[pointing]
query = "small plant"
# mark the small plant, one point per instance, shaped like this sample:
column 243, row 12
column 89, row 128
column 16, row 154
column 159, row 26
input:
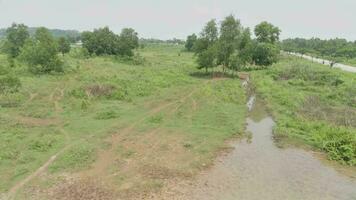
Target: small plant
column 107, row 115
column 156, row 119
column 9, row 84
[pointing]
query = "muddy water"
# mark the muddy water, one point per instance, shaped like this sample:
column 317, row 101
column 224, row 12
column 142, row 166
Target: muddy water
column 257, row 169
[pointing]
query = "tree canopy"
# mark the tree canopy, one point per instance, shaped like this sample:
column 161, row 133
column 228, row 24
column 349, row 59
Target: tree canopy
column 16, row 35
column 189, row 44
column 266, row 32
column 63, row 45
column 233, row 48
column 103, row 41
column 40, row 52
column 331, row 49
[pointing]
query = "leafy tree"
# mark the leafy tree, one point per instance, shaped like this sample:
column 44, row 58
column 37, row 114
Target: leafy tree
column 101, row 41
column 63, row 45
column 9, row 83
column 266, row 32
column 334, row 49
column 207, row 58
column 105, row 42
column 246, row 46
column 230, row 32
column 189, row 44
column 41, row 53
column 128, row 41
column 265, row 54
column 205, row 46
column 16, row 35
column 210, row 32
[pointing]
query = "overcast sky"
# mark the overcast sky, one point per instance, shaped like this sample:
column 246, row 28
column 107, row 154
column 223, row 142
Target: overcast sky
column 177, row 18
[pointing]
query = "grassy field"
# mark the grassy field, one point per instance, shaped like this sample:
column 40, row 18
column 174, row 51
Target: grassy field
column 313, row 104
column 114, row 127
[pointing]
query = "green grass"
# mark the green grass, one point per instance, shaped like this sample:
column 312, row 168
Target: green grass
column 100, row 96
column 313, row 104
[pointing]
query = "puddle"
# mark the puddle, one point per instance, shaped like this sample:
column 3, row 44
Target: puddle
column 258, row 169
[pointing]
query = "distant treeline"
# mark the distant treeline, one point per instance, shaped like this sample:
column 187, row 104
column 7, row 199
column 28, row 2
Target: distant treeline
column 333, row 49
column 159, row 41
column 72, row 35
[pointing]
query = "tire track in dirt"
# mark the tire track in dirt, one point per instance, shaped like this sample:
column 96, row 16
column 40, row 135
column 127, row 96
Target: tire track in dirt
column 105, row 157
column 13, row 190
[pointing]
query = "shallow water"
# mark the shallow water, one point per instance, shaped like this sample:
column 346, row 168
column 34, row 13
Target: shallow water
column 258, row 169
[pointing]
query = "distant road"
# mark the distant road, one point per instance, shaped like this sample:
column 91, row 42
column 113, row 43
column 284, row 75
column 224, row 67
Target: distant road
column 347, row 68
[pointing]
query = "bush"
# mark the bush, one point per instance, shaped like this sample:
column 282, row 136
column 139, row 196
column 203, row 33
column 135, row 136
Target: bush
column 9, row 84
column 105, row 42
column 265, row 54
column 41, row 53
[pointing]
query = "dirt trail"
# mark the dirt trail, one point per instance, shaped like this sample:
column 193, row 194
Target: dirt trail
column 43, row 168
column 42, row 122
column 105, row 156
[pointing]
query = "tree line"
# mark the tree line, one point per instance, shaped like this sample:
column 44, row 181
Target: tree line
column 331, row 49
column 230, row 45
column 40, row 50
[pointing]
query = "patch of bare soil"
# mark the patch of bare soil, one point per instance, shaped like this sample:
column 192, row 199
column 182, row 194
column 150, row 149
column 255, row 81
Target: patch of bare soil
column 97, row 90
column 82, row 189
column 31, row 121
column 12, row 192
column 143, row 160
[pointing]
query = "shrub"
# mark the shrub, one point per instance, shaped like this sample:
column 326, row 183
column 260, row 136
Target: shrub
column 41, row 53
column 9, row 84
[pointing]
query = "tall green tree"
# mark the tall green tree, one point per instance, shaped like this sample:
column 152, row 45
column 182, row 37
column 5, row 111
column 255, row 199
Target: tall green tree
column 189, row 44
column 105, row 42
column 128, row 41
column 101, row 41
column 265, row 54
column 16, row 35
column 205, row 46
column 230, row 32
column 41, row 53
column 63, row 45
column 267, row 32
column 266, row 49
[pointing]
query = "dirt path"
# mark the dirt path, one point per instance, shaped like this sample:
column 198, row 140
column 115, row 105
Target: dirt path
column 105, row 156
column 55, row 98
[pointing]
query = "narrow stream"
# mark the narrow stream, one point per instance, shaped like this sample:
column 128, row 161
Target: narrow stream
column 258, row 169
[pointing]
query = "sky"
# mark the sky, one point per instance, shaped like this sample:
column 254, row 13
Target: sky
column 166, row 19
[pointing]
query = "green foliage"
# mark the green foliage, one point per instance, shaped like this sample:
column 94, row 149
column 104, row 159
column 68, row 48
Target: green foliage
column 107, row 115
column 265, row 54
column 9, row 84
column 128, row 41
column 35, row 130
column 78, row 157
column 63, row 45
column 105, row 42
column 41, row 53
column 313, row 104
column 230, row 32
column 339, row 50
column 207, row 58
column 79, row 53
column 233, row 48
column 16, row 36
column 100, row 42
column 267, row 33
column 189, row 44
